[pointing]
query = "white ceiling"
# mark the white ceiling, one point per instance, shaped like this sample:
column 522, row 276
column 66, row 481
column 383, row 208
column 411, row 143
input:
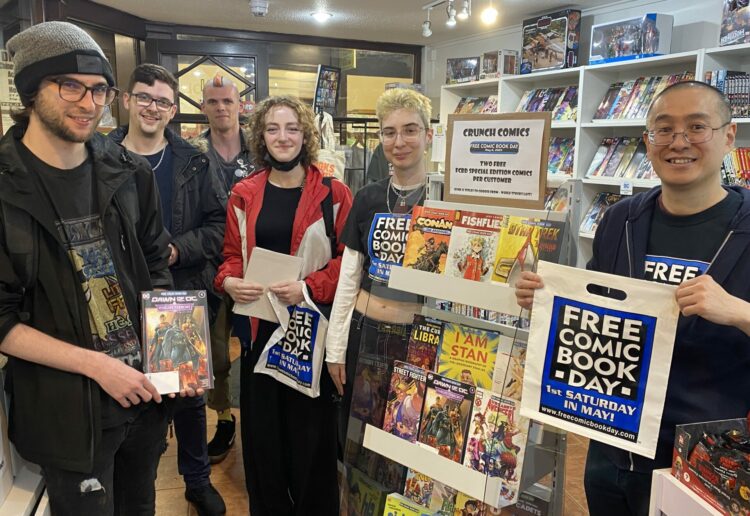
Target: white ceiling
column 394, row 21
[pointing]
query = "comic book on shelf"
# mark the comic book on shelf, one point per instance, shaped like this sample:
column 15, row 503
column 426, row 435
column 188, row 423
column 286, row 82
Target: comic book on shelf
column 497, row 440
column 609, row 99
column 424, row 342
column 631, row 99
column 370, row 389
column 468, row 354
column 473, row 241
column 176, row 339
column 491, row 106
column 364, row 495
column 519, row 246
column 556, row 199
column 418, row 487
column 507, row 378
column 620, row 157
column 736, row 87
column 400, row 505
column 428, row 239
column 468, row 505
column 601, row 203
column 405, row 397
column 735, row 169
column 561, row 151
column 445, row 416
column 562, row 101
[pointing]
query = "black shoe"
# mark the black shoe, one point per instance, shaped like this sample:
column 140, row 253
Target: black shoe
column 223, row 440
column 206, row 499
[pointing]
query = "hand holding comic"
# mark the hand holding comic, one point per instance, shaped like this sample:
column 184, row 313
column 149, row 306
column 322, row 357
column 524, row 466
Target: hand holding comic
column 525, row 287
column 243, row 291
column 288, row 292
column 704, row 297
column 126, row 385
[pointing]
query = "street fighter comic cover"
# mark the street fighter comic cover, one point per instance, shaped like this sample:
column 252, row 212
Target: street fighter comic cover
column 176, row 337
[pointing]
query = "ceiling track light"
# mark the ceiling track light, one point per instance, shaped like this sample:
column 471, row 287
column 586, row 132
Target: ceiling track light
column 465, row 11
column 450, row 10
column 427, row 26
column 489, row 15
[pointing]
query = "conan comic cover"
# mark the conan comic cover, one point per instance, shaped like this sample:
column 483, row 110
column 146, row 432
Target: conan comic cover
column 405, row 398
column 445, row 415
column 427, row 243
column 472, row 246
column 424, row 342
column 497, row 440
column 176, row 336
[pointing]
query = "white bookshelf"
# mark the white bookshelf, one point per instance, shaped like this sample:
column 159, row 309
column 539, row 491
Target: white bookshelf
column 451, row 94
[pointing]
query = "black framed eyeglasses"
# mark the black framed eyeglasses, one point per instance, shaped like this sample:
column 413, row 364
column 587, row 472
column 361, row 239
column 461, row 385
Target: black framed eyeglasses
column 71, row 90
column 696, row 133
column 145, row 100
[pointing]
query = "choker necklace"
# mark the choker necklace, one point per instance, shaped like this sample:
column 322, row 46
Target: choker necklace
column 400, row 198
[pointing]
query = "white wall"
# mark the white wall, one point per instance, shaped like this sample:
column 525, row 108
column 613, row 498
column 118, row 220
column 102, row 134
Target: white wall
column 696, row 25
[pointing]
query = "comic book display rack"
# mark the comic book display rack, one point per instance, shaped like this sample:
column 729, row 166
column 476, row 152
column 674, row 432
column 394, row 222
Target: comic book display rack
column 539, row 474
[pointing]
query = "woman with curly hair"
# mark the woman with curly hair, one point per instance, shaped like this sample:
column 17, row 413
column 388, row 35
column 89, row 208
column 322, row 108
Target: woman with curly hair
column 289, row 439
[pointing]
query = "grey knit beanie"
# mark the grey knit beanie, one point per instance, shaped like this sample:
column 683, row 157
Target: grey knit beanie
column 54, row 48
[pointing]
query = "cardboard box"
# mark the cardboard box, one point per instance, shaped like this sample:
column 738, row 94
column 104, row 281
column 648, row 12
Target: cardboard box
column 735, row 23
column 635, row 38
column 462, row 69
column 497, row 64
column 551, row 41
column 713, row 478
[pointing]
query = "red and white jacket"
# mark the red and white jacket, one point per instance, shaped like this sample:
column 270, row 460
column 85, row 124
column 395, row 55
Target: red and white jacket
column 309, row 241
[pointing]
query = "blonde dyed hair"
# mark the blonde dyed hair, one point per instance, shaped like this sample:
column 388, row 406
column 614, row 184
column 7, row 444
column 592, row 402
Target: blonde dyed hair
column 401, row 98
column 257, row 125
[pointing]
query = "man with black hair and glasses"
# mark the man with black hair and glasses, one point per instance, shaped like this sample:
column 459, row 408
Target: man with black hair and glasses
column 695, row 233
column 194, row 215
column 81, row 235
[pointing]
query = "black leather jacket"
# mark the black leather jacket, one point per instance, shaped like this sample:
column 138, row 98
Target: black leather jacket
column 55, row 416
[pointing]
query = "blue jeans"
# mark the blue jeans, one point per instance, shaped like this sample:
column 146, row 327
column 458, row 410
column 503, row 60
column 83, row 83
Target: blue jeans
column 125, row 464
column 612, row 491
column 192, row 446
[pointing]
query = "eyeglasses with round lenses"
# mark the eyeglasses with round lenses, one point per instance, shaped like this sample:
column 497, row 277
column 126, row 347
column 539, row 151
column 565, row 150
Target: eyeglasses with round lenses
column 72, row 90
column 695, row 133
column 145, row 100
column 410, row 134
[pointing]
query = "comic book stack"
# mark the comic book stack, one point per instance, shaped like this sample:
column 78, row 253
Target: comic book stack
column 630, row 99
column 621, row 157
column 557, row 199
column 561, row 153
column 561, row 101
column 735, row 170
column 601, row 204
column 735, row 86
column 469, row 105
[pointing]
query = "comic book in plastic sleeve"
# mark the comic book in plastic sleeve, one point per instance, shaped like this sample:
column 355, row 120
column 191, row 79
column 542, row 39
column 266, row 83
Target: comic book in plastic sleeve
column 443, row 499
column 517, row 249
column 424, row 342
column 364, row 495
column 468, row 354
column 177, row 340
column 418, row 487
column 429, row 236
column 472, row 246
column 507, row 379
column 445, row 416
column 466, row 504
column 497, row 440
column 370, row 389
column 400, row 505
column 403, row 409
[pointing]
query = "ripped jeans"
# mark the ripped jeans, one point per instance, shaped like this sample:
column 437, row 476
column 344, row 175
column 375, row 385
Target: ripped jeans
column 125, row 464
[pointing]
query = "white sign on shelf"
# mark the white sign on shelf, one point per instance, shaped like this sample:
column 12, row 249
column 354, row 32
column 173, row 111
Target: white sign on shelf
column 438, row 142
column 498, row 159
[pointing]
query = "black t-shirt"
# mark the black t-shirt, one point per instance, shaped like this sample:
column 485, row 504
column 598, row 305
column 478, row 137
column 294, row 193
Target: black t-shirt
column 273, row 229
column 682, row 247
column 162, row 163
column 377, row 227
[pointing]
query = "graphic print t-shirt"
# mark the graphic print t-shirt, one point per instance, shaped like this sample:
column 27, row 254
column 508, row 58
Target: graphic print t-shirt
column 80, row 226
column 681, row 248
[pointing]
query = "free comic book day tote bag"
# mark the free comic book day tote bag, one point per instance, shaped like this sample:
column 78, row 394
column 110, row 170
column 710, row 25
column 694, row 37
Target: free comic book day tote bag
column 597, row 365
column 294, row 353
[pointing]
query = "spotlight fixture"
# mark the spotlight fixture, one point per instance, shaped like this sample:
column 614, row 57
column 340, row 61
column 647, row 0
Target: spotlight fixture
column 259, row 7
column 465, row 11
column 321, row 16
column 427, row 26
column 489, row 15
column 451, row 12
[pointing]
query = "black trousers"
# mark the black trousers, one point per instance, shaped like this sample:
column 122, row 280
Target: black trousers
column 612, row 491
column 125, row 465
column 288, row 442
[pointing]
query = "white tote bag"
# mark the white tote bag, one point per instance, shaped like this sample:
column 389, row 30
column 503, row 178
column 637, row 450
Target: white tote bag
column 598, row 366
column 330, row 162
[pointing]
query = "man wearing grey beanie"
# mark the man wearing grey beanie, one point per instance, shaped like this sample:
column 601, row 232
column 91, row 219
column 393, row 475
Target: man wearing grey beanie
column 81, row 235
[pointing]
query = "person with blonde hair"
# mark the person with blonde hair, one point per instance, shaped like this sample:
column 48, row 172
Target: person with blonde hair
column 367, row 316
column 289, row 439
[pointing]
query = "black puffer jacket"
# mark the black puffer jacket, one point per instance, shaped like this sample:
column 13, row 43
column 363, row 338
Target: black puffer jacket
column 198, row 214
column 55, row 416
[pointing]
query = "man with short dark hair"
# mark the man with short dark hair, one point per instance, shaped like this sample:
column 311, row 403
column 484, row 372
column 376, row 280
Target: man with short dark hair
column 691, row 232
column 81, row 235
column 224, row 144
column 194, row 215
